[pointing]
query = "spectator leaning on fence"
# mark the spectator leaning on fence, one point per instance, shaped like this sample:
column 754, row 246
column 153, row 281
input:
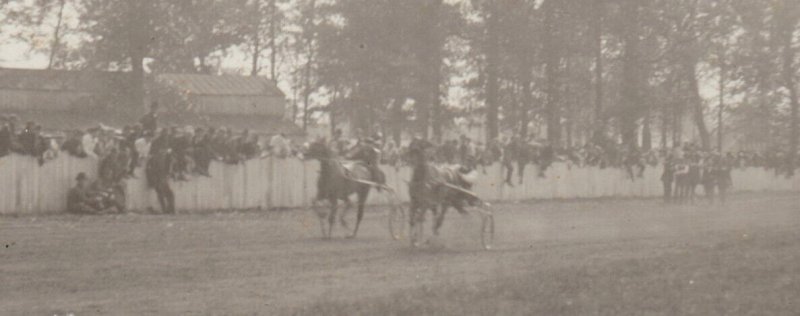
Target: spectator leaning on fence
column 279, row 146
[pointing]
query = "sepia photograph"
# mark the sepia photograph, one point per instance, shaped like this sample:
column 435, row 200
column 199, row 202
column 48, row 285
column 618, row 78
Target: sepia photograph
column 399, row 157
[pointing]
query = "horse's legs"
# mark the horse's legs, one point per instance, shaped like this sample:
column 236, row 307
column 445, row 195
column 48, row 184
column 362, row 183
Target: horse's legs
column 347, row 206
column 332, row 216
column 362, row 200
column 439, row 219
column 509, row 166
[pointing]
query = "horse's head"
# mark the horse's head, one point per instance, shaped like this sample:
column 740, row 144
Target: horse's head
column 317, row 149
column 418, row 151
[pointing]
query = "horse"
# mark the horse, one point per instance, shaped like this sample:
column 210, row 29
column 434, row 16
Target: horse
column 338, row 181
column 434, row 188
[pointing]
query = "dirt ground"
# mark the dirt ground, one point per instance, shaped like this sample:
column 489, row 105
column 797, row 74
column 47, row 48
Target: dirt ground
column 580, row 254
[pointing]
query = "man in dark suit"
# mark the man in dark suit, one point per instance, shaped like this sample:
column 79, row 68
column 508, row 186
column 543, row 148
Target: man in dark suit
column 158, row 171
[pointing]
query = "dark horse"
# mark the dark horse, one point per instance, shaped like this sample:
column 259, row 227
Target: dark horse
column 338, row 181
column 433, row 188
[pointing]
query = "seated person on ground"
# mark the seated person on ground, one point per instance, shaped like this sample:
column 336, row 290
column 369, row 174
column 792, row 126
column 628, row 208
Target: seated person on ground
column 95, row 198
column 79, row 198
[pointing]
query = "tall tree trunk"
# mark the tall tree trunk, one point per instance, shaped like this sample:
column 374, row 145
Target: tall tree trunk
column 552, row 65
column 434, row 66
column 599, row 12
column 138, row 47
column 309, row 43
column 690, row 60
column 492, row 60
column 697, row 104
column 664, row 125
column 332, row 109
column 788, row 28
column 721, row 108
column 631, row 75
column 677, row 124
column 56, row 35
column 256, row 38
column 527, row 99
column 647, row 134
column 273, row 34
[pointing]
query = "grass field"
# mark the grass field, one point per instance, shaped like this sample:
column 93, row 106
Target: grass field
column 631, row 257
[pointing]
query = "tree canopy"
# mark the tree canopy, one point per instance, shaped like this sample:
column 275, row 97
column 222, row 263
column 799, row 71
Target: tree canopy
column 562, row 70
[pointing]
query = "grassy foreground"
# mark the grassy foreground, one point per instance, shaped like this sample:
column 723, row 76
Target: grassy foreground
column 721, row 274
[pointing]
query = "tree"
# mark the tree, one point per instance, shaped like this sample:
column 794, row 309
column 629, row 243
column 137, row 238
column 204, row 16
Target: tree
column 34, row 23
column 121, row 35
column 788, row 12
column 551, row 50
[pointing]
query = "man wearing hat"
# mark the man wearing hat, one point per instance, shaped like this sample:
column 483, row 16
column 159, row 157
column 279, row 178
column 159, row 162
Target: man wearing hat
column 368, row 152
column 27, row 139
column 158, row 171
column 79, row 199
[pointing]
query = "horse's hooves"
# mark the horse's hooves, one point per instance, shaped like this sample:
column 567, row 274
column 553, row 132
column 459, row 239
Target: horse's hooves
column 350, row 237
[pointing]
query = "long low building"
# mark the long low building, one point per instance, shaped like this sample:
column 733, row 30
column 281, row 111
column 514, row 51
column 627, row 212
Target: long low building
column 62, row 100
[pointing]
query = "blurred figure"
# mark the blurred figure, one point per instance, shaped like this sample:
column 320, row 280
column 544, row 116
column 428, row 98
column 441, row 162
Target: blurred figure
column 6, row 138
column 89, row 142
column 158, row 171
column 279, row 145
column 149, row 121
column 73, row 145
column 79, row 199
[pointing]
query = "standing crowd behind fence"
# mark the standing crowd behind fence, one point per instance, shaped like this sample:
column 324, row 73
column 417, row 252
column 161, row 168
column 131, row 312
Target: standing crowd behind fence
column 179, row 153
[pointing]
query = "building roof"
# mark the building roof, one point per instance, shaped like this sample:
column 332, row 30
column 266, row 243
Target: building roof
column 101, row 81
column 261, row 124
column 62, row 80
column 221, row 85
column 70, row 120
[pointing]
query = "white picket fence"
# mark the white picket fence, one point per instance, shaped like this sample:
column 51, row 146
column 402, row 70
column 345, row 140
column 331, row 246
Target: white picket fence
column 27, row 188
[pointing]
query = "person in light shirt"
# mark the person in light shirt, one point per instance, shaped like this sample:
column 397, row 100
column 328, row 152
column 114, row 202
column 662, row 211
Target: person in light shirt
column 89, row 142
column 142, row 145
column 279, row 145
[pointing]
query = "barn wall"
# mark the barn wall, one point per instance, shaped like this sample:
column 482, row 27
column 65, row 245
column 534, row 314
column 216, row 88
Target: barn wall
column 240, row 105
column 27, row 188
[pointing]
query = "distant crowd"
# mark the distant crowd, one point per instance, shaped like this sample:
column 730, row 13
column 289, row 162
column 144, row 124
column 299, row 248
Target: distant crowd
column 165, row 153
column 175, row 153
column 121, row 151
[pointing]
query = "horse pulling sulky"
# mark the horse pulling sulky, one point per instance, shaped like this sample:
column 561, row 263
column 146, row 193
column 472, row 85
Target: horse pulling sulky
column 437, row 188
column 338, row 180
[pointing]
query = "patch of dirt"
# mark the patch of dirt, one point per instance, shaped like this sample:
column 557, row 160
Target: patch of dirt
column 267, row 263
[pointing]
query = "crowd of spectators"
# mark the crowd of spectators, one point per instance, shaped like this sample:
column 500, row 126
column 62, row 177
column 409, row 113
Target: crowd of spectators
column 193, row 149
column 120, row 151
column 514, row 153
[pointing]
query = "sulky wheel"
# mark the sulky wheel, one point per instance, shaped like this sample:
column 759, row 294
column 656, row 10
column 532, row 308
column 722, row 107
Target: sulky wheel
column 397, row 221
column 487, row 230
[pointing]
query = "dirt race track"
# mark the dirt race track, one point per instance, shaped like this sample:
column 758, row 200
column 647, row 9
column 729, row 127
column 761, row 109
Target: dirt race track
column 603, row 257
